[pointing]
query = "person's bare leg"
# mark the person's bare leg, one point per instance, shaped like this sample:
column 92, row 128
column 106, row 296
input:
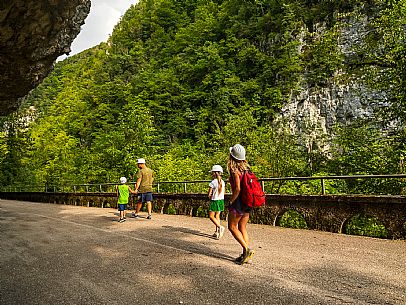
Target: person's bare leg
column 233, row 221
column 242, row 227
column 218, row 218
column 149, row 207
column 139, row 206
column 214, row 218
column 220, row 228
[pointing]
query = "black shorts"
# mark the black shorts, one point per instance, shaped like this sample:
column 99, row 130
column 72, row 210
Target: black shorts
column 238, row 208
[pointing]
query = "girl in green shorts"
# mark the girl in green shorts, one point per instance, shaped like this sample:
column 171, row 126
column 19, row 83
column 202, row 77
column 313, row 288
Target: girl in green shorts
column 216, row 195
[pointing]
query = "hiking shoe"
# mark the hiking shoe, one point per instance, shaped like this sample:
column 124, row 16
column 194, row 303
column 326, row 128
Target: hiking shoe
column 149, row 216
column 221, row 233
column 215, row 234
column 247, row 256
column 239, row 259
column 134, row 215
column 121, row 220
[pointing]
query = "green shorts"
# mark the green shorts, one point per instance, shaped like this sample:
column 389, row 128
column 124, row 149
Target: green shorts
column 216, row 205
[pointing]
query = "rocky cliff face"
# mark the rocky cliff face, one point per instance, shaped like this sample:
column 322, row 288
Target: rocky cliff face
column 33, row 33
column 313, row 111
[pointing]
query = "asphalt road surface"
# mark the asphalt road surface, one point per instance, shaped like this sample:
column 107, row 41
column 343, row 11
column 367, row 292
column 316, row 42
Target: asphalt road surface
column 56, row 254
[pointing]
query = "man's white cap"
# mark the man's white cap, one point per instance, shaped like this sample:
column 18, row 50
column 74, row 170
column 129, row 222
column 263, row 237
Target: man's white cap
column 123, row 180
column 238, row 152
column 217, row 168
column 141, row 161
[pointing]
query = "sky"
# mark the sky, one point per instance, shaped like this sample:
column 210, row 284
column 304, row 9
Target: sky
column 99, row 24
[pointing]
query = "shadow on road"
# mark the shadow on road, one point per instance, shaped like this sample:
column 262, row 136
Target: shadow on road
column 189, row 231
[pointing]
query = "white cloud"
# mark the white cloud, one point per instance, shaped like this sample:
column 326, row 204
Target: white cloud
column 99, row 24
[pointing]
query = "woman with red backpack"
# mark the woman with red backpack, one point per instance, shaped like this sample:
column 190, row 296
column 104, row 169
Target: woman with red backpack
column 239, row 213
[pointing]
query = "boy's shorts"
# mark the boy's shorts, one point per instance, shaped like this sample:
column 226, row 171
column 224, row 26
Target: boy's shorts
column 122, row 207
column 144, row 197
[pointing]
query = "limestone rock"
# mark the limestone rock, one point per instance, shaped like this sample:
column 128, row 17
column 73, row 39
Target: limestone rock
column 33, row 33
column 312, row 112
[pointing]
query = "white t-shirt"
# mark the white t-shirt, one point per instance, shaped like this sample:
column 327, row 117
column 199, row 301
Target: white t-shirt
column 214, row 185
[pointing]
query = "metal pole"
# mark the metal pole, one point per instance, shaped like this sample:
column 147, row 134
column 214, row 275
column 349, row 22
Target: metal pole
column 184, row 187
column 323, row 189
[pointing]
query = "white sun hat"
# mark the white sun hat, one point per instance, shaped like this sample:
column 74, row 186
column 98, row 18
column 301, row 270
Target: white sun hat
column 141, row 161
column 217, row 168
column 238, row 152
column 123, row 180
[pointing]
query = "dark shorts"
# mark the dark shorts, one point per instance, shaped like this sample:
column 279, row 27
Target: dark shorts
column 238, row 208
column 122, row 207
column 144, row 197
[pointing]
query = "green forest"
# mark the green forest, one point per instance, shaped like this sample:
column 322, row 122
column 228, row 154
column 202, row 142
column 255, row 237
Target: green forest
column 180, row 81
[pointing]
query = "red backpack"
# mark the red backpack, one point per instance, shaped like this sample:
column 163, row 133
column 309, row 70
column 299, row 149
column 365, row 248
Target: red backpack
column 252, row 194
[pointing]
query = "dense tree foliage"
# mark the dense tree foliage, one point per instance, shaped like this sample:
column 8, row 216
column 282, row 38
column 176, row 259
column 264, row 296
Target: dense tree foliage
column 180, row 81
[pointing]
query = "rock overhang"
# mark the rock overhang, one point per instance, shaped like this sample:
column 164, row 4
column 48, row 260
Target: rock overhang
column 33, row 34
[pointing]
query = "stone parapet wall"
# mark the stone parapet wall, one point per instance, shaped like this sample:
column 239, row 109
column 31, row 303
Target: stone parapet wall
column 326, row 213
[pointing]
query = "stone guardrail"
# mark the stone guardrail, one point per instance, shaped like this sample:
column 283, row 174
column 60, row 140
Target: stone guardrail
column 270, row 185
column 321, row 212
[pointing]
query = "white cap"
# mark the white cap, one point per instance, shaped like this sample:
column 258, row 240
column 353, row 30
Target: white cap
column 217, row 168
column 141, row 161
column 238, row 152
column 123, row 180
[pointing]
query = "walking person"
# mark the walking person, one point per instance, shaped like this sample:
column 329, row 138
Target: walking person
column 123, row 193
column 143, row 187
column 216, row 195
column 239, row 213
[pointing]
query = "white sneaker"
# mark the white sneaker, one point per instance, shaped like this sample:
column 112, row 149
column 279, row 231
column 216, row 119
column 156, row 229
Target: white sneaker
column 221, row 233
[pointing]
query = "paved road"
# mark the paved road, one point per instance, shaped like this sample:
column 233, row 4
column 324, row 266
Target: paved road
column 55, row 254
